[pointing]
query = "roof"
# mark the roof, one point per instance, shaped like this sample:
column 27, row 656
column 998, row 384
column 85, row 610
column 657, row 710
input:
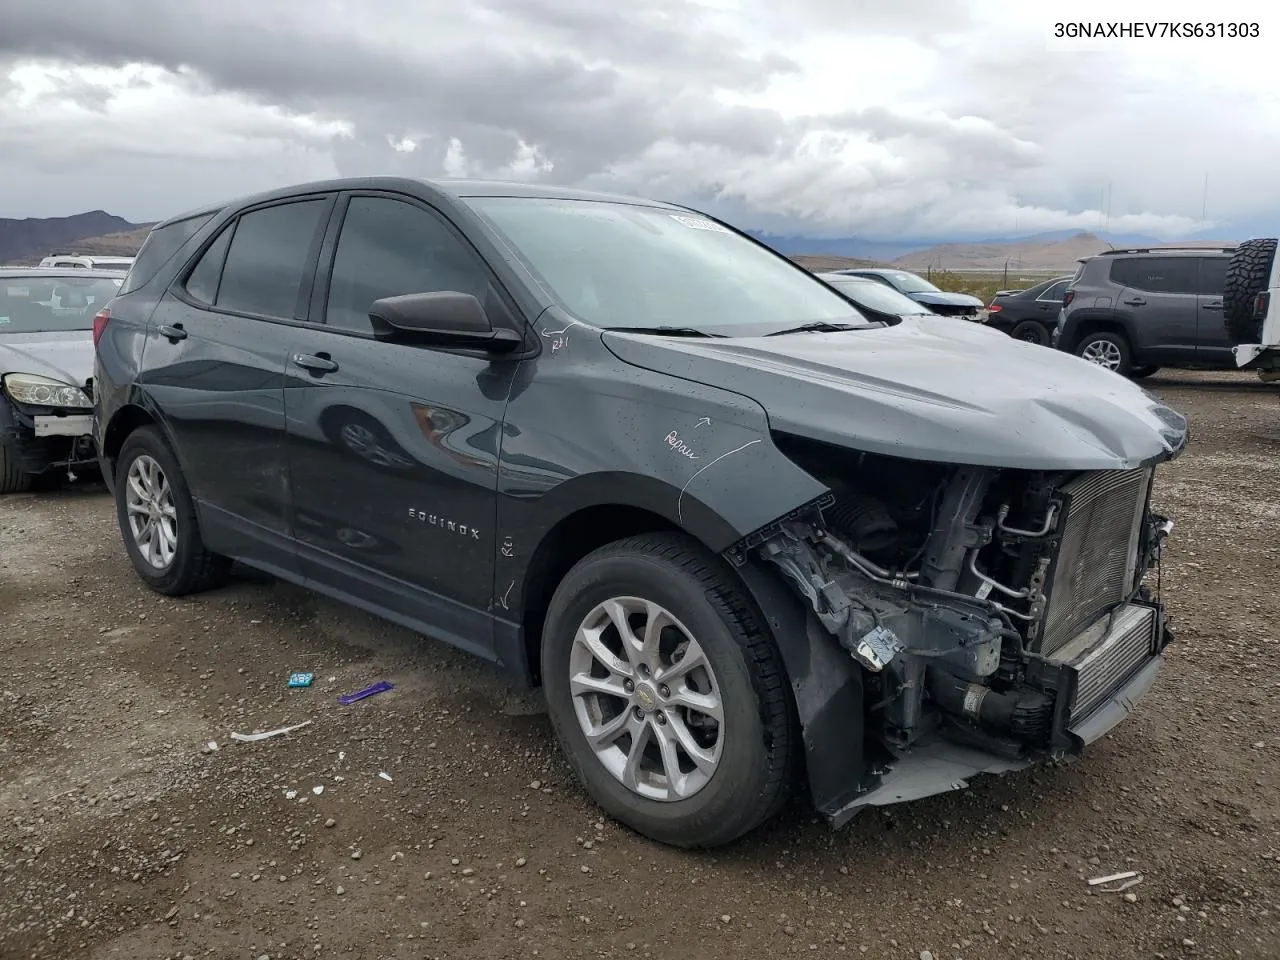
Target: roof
column 880, row 271
column 1172, row 251
column 60, row 272
column 448, row 187
column 846, row 277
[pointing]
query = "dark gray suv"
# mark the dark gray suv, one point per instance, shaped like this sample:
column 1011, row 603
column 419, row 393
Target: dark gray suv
column 1135, row 311
column 744, row 534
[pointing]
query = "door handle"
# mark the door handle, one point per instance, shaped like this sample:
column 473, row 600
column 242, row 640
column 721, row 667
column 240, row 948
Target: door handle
column 1136, row 302
column 316, row 363
column 1216, row 305
column 172, row 331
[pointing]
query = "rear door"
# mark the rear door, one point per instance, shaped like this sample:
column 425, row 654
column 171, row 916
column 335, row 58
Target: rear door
column 214, row 362
column 1158, row 306
column 1213, row 346
column 393, row 447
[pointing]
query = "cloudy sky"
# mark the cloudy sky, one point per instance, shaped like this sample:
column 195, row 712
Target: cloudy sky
column 907, row 119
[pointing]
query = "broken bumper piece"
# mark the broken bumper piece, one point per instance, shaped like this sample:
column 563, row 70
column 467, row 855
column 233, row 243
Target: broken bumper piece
column 72, row 426
column 1123, row 651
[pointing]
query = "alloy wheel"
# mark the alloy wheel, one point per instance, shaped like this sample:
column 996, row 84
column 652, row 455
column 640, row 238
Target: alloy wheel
column 153, row 518
column 646, row 699
column 1104, row 353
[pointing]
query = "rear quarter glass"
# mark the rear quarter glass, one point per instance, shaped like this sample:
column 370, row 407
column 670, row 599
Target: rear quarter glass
column 161, row 244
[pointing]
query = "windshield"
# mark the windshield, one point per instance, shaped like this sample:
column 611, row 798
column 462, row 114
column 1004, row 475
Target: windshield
column 623, row 265
column 52, row 304
column 909, row 282
column 876, row 296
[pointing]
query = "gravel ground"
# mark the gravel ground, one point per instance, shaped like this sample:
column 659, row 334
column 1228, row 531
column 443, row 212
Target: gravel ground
column 125, row 836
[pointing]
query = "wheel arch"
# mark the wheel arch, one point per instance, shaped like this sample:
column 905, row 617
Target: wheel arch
column 1091, row 325
column 128, row 418
column 575, row 534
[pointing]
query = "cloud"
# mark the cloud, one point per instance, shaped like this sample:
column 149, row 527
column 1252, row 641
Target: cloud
column 938, row 118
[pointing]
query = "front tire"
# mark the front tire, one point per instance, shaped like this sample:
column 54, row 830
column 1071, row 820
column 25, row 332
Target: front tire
column 667, row 694
column 1107, row 349
column 158, row 522
column 12, row 478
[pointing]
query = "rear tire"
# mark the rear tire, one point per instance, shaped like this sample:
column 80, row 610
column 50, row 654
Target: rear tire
column 1248, row 273
column 1107, row 349
column 12, row 478
column 1029, row 331
column 742, row 767
column 172, row 560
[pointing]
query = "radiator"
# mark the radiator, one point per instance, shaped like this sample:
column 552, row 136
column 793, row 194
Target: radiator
column 1096, row 564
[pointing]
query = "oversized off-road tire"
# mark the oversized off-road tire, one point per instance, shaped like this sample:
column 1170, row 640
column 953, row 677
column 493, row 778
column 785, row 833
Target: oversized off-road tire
column 1031, row 331
column 667, row 693
column 1107, row 349
column 12, row 478
column 158, row 521
column 1248, row 274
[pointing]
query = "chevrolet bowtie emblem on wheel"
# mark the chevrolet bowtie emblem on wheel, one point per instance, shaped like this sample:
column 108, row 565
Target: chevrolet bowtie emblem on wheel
column 444, row 523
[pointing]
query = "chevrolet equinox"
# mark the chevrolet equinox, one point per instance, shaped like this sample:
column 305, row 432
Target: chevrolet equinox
column 745, row 535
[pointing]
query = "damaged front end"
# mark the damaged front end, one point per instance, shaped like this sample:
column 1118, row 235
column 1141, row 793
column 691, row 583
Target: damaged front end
column 996, row 617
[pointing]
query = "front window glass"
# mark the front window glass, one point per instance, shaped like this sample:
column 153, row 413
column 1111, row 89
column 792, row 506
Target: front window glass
column 876, row 296
column 627, row 265
column 909, row 282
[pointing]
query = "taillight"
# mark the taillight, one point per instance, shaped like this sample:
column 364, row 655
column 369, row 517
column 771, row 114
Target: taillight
column 1260, row 304
column 1068, row 297
column 994, row 308
column 100, row 324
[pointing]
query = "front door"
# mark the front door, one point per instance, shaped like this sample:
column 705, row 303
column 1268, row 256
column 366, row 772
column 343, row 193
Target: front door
column 215, row 357
column 1213, row 346
column 392, row 446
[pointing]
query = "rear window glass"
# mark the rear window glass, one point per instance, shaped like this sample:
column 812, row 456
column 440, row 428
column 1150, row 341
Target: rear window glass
column 161, row 244
column 52, row 304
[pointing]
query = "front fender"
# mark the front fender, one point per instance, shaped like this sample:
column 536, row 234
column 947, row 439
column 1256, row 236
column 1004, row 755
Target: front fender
column 584, row 429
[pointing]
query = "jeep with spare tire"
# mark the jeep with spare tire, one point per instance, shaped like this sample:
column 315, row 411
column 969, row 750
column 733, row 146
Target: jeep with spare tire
column 1249, row 309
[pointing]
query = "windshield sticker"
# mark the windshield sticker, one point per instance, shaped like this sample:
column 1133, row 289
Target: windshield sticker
column 698, row 223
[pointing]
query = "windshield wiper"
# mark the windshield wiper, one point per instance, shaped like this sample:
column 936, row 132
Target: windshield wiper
column 666, row 331
column 821, row 326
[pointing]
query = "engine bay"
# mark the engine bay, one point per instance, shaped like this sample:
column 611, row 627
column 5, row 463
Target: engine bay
column 954, row 588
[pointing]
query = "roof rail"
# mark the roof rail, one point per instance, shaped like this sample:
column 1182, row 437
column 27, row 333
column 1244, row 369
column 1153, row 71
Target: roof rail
column 1174, row 248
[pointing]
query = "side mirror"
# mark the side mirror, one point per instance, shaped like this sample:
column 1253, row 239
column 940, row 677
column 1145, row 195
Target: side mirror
column 445, row 318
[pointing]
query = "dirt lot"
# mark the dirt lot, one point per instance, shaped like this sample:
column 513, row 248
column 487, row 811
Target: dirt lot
column 122, row 838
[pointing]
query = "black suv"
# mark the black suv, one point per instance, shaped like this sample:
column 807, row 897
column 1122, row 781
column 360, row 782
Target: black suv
column 739, row 531
column 1135, row 311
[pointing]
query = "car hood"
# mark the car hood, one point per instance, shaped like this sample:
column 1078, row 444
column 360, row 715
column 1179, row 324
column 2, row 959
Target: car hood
column 65, row 356
column 941, row 298
column 930, row 389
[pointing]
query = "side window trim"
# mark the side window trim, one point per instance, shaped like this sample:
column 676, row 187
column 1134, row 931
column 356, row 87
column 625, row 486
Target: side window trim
column 1044, row 294
column 179, row 286
column 189, row 270
column 328, row 253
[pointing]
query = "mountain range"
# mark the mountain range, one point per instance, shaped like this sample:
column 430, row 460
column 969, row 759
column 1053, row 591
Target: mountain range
column 95, row 233
column 26, row 241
